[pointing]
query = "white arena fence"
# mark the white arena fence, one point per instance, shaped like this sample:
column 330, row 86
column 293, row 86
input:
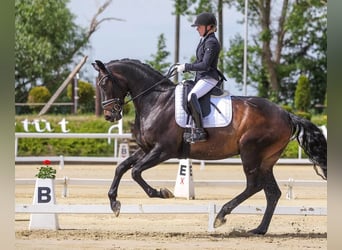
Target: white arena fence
column 211, row 209
column 66, row 182
column 115, row 159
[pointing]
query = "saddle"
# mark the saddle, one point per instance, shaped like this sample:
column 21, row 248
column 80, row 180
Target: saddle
column 215, row 106
column 204, row 101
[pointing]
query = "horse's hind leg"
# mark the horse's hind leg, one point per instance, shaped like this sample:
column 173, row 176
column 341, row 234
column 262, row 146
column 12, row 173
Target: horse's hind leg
column 253, row 186
column 273, row 194
column 258, row 177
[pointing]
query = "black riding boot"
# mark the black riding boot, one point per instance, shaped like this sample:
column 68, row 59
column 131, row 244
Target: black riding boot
column 199, row 133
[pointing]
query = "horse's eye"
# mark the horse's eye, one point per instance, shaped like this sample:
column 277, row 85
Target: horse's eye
column 103, row 86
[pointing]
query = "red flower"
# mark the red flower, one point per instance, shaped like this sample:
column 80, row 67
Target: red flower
column 46, row 162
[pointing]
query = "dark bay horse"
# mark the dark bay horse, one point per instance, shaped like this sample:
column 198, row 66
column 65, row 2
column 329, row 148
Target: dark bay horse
column 259, row 133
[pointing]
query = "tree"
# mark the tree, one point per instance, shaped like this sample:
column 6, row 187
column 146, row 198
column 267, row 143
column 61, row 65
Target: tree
column 39, row 94
column 44, row 36
column 47, row 40
column 158, row 61
column 86, row 96
column 306, row 48
column 302, row 95
column 288, row 42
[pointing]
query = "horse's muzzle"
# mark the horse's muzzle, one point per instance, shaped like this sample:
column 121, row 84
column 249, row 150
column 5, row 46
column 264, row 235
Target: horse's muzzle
column 112, row 117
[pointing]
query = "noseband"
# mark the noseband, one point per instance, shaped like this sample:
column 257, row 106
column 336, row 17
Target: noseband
column 117, row 105
column 117, row 102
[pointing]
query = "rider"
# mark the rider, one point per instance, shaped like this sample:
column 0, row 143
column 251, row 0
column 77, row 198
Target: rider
column 205, row 66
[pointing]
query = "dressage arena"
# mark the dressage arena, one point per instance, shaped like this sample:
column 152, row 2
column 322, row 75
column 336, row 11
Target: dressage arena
column 172, row 231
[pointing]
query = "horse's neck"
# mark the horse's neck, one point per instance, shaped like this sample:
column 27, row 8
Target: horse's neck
column 146, row 88
column 154, row 100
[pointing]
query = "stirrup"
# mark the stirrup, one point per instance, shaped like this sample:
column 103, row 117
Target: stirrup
column 187, row 134
column 198, row 135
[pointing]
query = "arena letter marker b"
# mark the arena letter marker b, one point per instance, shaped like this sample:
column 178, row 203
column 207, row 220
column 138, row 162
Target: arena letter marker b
column 44, row 194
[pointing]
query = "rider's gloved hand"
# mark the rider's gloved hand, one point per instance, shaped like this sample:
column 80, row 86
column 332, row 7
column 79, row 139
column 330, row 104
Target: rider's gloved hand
column 180, row 68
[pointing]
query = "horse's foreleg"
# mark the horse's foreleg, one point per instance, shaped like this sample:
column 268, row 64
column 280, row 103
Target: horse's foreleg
column 273, row 194
column 150, row 160
column 119, row 172
column 150, row 191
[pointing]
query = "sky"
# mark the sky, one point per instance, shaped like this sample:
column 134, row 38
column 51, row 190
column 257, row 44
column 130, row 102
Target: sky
column 137, row 36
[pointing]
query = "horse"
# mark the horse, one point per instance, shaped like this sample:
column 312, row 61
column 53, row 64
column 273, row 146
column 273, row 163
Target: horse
column 259, row 132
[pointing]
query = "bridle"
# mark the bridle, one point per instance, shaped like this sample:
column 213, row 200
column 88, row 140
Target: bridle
column 116, row 103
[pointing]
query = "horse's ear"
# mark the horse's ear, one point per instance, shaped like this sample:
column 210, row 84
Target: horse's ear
column 95, row 66
column 101, row 65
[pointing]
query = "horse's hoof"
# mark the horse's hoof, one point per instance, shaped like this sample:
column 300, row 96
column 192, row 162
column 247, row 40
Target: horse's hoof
column 256, row 232
column 219, row 222
column 166, row 194
column 115, row 206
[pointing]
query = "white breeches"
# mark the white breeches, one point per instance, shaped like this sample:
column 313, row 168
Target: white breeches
column 202, row 87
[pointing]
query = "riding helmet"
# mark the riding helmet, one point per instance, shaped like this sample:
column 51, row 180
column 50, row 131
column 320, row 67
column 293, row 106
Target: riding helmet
column 205, row 18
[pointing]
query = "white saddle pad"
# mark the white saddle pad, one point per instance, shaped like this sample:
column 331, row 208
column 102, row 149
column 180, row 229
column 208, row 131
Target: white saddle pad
column 217, row 118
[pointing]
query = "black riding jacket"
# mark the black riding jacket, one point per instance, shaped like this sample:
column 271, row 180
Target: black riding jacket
column 207, row 55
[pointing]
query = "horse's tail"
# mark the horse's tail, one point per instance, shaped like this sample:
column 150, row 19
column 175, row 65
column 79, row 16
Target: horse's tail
column 312, row 140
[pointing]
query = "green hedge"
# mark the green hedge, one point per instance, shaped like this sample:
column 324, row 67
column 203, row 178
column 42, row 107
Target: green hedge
column 92, row 147
column 66, row 147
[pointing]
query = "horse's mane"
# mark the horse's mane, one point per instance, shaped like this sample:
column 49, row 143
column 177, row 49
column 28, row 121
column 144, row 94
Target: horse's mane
column 147, row 74
column 138, row 64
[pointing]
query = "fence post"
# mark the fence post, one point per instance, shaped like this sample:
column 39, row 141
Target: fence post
column 211, row 216
column 120, row 131
column 61, row 162
column 289, row 193
column 65, row 187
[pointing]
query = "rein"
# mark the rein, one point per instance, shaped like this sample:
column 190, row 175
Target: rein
column 172, row 72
